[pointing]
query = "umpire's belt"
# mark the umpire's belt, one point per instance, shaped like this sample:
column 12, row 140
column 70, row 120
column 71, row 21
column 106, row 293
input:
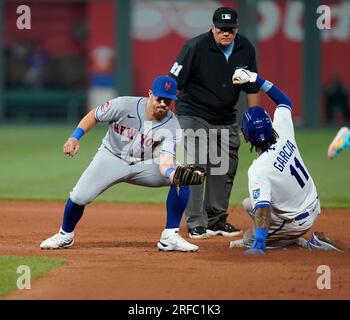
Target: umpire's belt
column 301, row 216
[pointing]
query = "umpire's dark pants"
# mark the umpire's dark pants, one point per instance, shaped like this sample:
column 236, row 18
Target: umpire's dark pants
column 208, row 203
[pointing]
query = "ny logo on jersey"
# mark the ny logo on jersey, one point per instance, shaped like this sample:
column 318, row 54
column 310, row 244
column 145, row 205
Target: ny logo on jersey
column 256, row 194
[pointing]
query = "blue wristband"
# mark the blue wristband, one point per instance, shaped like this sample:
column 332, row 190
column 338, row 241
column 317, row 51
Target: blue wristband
column 78, row 133
column 260, row 234
column 169, row 171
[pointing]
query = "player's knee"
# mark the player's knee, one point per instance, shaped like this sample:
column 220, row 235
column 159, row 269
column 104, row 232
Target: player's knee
column 247, row 205
column 80, row 199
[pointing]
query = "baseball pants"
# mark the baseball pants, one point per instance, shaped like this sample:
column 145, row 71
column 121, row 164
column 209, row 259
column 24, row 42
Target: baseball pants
column 282, row 232
column 106, row 170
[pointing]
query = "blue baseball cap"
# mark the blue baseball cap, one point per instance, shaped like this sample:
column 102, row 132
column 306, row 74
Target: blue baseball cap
column 165, row 87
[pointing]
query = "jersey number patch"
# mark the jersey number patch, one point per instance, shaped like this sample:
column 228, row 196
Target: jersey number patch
column 295, row 173
column 176, row 68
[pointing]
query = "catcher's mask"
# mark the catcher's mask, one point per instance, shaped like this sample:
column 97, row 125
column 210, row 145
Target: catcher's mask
column 257, row 125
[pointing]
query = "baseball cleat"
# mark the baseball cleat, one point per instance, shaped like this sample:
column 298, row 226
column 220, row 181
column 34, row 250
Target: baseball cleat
column 319, row 241
column 170, row 240
column 198, row 233
column 223, row 229
column 340, row 142
column 58, row 241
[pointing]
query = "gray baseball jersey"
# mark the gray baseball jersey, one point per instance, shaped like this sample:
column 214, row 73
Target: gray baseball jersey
column 131, row 136
column 131, row 140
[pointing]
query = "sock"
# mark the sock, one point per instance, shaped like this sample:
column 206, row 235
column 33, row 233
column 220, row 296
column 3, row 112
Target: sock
column 175, row 205
column 72, row 214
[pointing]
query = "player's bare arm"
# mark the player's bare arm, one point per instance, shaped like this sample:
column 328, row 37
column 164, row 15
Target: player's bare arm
column 166, row 162
column 262, row 218
column 72, row 145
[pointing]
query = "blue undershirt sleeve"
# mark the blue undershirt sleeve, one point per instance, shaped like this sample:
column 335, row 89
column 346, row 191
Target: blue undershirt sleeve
column 273, row 92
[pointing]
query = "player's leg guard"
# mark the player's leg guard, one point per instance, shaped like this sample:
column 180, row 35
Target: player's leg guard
column 72, row 214
column 175, row 205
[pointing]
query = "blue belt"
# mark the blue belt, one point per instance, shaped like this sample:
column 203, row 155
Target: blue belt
column 301, row 216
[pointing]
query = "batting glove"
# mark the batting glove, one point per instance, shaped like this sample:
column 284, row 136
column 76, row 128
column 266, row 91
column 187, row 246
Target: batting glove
column 242, row 76
column 254, row 251
column 258, row 246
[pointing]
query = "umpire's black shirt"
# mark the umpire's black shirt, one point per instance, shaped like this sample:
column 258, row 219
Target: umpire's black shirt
column 204, row 78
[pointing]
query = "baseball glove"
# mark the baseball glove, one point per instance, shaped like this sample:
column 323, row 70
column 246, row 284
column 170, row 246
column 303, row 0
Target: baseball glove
column 188, row 174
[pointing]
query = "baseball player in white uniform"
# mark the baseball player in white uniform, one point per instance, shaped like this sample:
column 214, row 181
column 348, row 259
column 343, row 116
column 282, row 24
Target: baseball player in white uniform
column 283, row 198
column 138, row 126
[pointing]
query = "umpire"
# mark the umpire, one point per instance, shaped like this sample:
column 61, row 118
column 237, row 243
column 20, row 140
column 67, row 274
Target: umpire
column 207, row 100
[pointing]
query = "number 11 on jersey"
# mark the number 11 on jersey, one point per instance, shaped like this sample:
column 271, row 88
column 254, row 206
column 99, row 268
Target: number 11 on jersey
column 295, row 173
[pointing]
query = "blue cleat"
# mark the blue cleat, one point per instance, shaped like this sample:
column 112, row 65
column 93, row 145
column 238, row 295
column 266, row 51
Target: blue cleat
column 340, row 142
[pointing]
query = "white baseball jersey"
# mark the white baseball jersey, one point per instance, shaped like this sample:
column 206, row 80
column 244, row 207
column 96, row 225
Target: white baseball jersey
column 131, row 136
column 278, row 177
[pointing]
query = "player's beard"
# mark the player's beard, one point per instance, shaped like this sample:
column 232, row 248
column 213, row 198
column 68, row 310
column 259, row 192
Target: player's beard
column 160, row 112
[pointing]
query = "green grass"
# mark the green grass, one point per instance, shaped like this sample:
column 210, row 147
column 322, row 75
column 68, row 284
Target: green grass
column 34, row 167
column 8, row 270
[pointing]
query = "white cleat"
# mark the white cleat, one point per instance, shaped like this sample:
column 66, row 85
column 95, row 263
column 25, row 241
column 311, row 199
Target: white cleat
column 170, row 240
column 58, row 241
column 237, row 244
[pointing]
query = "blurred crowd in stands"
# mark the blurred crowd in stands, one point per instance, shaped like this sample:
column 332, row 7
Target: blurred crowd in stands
column 29, row 65
column 336, row 99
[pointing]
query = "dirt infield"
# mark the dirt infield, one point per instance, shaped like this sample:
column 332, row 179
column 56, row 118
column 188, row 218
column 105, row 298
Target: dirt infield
column 115, row 257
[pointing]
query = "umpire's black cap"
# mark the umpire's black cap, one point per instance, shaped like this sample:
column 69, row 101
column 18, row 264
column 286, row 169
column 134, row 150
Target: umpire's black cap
column 225, row 17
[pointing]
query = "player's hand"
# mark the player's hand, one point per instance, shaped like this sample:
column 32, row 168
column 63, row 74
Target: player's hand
column 242, row 76
column 71, row 147
column 254, row 251
column 258, row 248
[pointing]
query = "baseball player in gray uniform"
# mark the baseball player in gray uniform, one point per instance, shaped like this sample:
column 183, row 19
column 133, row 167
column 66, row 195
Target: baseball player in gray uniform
column 138, row 126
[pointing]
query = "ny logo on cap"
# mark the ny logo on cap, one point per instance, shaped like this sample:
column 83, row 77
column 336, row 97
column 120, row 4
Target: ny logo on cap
column 226, row 16
column 167, row 86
